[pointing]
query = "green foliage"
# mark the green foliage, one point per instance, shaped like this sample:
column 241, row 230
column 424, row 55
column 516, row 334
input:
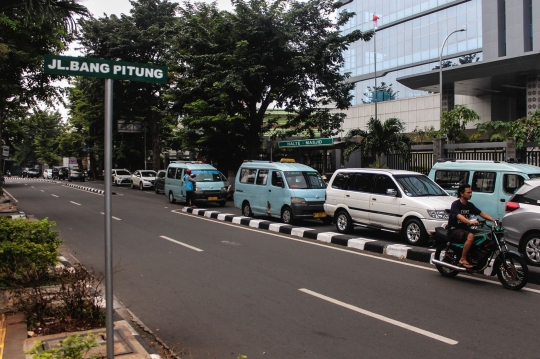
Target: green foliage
column 525, row 129
column 380, row 93
column 387, row 137
column 454, row 122
column 424, row 135
column 26, row 246
column 73, row 347
column 233, row 66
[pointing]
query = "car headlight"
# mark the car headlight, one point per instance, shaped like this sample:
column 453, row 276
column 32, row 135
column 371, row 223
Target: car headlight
column 198, row 190
column 298, row 200
column 438, row 214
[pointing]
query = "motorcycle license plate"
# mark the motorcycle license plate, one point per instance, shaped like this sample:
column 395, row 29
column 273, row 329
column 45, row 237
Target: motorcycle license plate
column 319, row 215
column 212, row 198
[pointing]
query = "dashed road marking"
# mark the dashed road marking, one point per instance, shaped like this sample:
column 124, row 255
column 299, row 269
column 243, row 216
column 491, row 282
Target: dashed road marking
column 182, row 244
column 54, row 195
column 381, row 317
column 78, row 204
column 113, row 217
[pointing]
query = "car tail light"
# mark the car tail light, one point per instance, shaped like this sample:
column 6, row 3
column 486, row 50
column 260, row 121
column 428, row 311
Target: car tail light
column 511, row 206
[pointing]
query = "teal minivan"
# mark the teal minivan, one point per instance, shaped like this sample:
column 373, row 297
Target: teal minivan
column 210, row 183
column 280, row 189
column 492, row 182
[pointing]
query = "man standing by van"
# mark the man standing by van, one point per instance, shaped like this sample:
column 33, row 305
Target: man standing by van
column 459, row 222
column 189, row 183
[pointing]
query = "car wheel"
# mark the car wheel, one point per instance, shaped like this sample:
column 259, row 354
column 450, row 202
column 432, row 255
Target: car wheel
column 530, row 248
column 287, row 215
column 69, row 179
column 222, row 203
column 414, row 232
column 246, row 209
column 156, row 190
column 171, row 197
column 131, row 185
column 82, row 180
column 343, row 222
column 327, row 220
column 141, row 186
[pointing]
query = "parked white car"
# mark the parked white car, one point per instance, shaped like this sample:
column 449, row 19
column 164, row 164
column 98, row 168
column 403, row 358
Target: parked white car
column 392, row 200
column 121, row 177
column 142, row 179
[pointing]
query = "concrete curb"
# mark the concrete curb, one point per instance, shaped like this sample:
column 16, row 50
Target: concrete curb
column 401, row 251
column 89, row 189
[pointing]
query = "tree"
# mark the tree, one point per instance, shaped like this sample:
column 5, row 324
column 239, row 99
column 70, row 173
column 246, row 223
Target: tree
column 454, row 122
column 145, row 36
column 380, row 138
column 233, row 67
column 522, row 130
column 41, row 131
column 380, row 93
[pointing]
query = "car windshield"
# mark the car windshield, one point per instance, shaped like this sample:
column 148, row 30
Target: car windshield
column 533, row 175
column 148, row 173
column 206, row 175
column 304, row 179
column 419, row 186
column 123, row 173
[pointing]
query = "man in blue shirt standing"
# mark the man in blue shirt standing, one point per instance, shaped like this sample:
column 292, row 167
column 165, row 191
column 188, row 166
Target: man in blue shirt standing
column 188, row 186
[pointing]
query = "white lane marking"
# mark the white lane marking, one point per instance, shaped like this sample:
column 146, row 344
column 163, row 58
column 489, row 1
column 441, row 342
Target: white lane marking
column 182, row 244
column 42, row 190
column 32, row 186
column 381, row 317
column 54, row 195
column 78, row 204
column 113, row 217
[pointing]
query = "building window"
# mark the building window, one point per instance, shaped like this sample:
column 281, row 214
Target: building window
column 502, row 27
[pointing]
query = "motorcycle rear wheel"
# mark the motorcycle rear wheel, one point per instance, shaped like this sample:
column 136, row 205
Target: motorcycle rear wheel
column 516, row 276
column 440, row 254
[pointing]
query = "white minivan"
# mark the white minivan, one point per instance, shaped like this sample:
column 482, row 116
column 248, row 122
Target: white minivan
column 209, row 182
column 393, row 200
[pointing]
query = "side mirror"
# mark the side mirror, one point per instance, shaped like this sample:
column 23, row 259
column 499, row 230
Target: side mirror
column 391, row 192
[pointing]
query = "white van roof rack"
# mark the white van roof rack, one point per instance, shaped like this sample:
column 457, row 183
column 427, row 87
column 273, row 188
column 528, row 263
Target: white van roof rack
column 186, row 162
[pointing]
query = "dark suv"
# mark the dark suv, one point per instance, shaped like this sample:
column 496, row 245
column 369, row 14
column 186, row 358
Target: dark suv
column 159, row 185
column 63, row 173
column 76, row 175
column 30, row 173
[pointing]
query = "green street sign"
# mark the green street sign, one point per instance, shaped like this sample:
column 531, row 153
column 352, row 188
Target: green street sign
column 307, row 143
column 117, row 70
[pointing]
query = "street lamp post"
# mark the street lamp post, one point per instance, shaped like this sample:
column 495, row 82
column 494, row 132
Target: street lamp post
column 440, row 66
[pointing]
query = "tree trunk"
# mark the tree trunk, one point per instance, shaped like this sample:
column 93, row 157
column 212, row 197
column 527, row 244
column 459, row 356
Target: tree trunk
column 156, row 144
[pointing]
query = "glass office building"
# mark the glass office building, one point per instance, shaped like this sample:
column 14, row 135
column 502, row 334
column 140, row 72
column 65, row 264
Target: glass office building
column 488, row 67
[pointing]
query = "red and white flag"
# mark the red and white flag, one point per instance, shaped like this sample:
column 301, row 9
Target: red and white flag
column 374, row 19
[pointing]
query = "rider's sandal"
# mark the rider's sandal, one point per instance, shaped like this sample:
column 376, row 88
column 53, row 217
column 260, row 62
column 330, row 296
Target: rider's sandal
column 466, row 265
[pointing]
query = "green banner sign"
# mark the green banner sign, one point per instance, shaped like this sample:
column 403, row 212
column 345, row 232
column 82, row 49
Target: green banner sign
column 307, row 143
column 117, row 70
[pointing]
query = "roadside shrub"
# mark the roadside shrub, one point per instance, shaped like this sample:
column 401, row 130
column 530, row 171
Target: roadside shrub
column 73, row 347
column 28, row 249
column 74, row 304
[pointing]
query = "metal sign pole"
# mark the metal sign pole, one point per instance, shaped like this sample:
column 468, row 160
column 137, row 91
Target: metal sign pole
column 108, row 219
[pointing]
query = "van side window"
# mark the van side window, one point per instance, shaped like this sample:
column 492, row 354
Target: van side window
column 341, row 179
column 171, row 172
column 277, row 179
column 451, row 179
column 362, row 182
column 179, row 173
column 484, row 182
column 262, row 177
column 383, row 183
column 512, row 182
column 247, row 175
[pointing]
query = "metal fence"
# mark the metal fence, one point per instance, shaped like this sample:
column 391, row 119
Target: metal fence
column 419, row 162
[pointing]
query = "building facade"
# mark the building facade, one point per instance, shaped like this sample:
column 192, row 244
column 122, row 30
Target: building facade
column 493, row 67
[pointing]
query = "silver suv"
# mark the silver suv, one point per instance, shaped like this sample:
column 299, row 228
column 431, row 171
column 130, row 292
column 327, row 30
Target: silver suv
column 522, row 221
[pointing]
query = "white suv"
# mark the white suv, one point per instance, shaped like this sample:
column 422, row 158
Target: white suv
column 142, row 179
column 391, row 200
column 120, row 177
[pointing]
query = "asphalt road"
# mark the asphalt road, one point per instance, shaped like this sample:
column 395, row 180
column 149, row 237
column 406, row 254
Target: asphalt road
column 217, row 290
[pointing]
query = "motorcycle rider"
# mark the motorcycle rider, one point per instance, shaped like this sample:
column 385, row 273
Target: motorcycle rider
column 458, row 221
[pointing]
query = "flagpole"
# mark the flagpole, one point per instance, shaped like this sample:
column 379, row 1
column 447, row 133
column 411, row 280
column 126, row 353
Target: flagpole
column 375, row 18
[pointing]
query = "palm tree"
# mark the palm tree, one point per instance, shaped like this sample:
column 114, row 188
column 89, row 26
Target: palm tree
column 60, row 12
column 380, row 138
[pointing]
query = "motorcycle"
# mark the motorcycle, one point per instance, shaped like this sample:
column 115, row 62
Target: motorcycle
column 510, row 267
